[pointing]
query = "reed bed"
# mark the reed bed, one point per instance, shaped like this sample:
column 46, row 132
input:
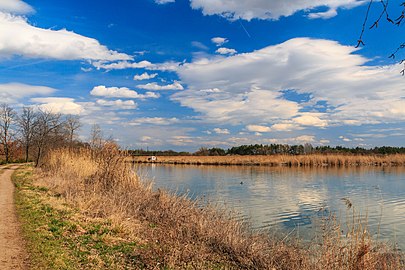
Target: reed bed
column 311, row 160
column 177, row 233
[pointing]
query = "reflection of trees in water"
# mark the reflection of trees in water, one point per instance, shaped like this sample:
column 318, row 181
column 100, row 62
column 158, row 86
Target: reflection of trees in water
column 287, row 197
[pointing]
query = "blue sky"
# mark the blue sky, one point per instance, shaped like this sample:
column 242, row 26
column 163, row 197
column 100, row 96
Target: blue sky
column 181, row 74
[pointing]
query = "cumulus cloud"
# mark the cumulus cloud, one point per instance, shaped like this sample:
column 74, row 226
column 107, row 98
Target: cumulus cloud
column 155, row 87
column 15, row 7
column 219, row 41
column 253, row 85
column 120, row 92
column 12, row 92
column 221, row 131
column 310, row 119
column 153, row 121
column 258, row 128
column 118, row 104
column 144, row 76
column 34, row 42
column 224, row 50
column 59, row 105
column 270, row 9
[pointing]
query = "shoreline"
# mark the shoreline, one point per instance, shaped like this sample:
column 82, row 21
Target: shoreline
column 314, row 160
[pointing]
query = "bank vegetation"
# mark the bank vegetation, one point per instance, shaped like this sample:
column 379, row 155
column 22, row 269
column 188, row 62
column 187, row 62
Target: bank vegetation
column 309, row 160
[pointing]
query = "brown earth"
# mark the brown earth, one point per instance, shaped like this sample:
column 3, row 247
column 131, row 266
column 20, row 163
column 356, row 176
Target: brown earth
column 12, row 252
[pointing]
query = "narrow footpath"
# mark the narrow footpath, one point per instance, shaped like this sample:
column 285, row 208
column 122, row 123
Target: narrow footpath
column 12, row 253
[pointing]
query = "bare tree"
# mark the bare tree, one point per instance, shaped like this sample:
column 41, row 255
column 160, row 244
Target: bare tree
column 46, row 131
column 7, row 115
column 96, row 136
column 72, row 124
column 384, row 14
column 26, row 124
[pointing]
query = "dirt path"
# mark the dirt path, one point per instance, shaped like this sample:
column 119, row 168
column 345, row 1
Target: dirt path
column 12, row 253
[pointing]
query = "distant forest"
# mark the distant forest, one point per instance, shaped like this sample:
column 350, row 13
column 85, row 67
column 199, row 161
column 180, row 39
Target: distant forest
column 274, row 149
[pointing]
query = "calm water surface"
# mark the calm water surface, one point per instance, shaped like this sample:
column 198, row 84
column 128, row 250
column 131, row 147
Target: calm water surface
column 293, row 199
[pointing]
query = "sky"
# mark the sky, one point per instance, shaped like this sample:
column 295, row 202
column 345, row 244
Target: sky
column 185, row 74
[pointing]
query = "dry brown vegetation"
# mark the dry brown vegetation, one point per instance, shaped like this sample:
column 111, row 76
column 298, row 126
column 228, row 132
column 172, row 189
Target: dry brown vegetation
column 175, row 233
column 313, row 160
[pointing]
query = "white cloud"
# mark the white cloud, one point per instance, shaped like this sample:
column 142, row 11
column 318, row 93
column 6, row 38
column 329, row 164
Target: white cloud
column 155, row 87
column 15, row 7
column 252, row 87
column 118, row 104
column 258, row 128
column 153, row 121
column 219, row 41
column 146, row 138
column 268, row 9
column 121, row 65
column 224, row 50
column 287, row 126
column 330, row 13
column 343, row 138
column 310, row 119
column 295, row 140
column 12, row 92
column 120, row 92
column 162, row 2
column 181, row 140
column 34, row 42
column 199, row 45
column 144, row 76
column 59, row 105
column 211, row 90
column 221, row 131
column 166, row 66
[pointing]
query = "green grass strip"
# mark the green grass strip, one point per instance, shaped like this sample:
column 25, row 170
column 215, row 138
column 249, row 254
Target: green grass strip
column 56, row 240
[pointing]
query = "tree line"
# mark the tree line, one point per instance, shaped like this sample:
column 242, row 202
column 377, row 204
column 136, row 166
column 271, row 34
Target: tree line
column 28, row 134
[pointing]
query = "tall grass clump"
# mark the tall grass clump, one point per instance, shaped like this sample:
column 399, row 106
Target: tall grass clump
column 176, row 233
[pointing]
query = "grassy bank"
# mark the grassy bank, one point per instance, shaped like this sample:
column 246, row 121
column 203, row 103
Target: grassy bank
column 315, row 160
column 60, row 236
column 89, row 210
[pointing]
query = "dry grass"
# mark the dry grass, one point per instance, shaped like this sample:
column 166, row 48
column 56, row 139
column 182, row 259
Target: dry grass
column 175, row 233
column 314, row 160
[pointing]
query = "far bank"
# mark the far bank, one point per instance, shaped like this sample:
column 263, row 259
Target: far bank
column 312, row 160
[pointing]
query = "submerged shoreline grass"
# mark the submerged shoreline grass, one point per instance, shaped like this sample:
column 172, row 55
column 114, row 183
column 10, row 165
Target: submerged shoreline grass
column 77, row 190
column 310, row 160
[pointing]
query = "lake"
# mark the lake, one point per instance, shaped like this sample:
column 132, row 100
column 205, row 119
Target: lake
column 293, row 200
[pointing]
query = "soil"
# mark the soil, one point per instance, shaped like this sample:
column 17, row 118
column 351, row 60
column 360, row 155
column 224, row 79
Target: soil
column 12, row 251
